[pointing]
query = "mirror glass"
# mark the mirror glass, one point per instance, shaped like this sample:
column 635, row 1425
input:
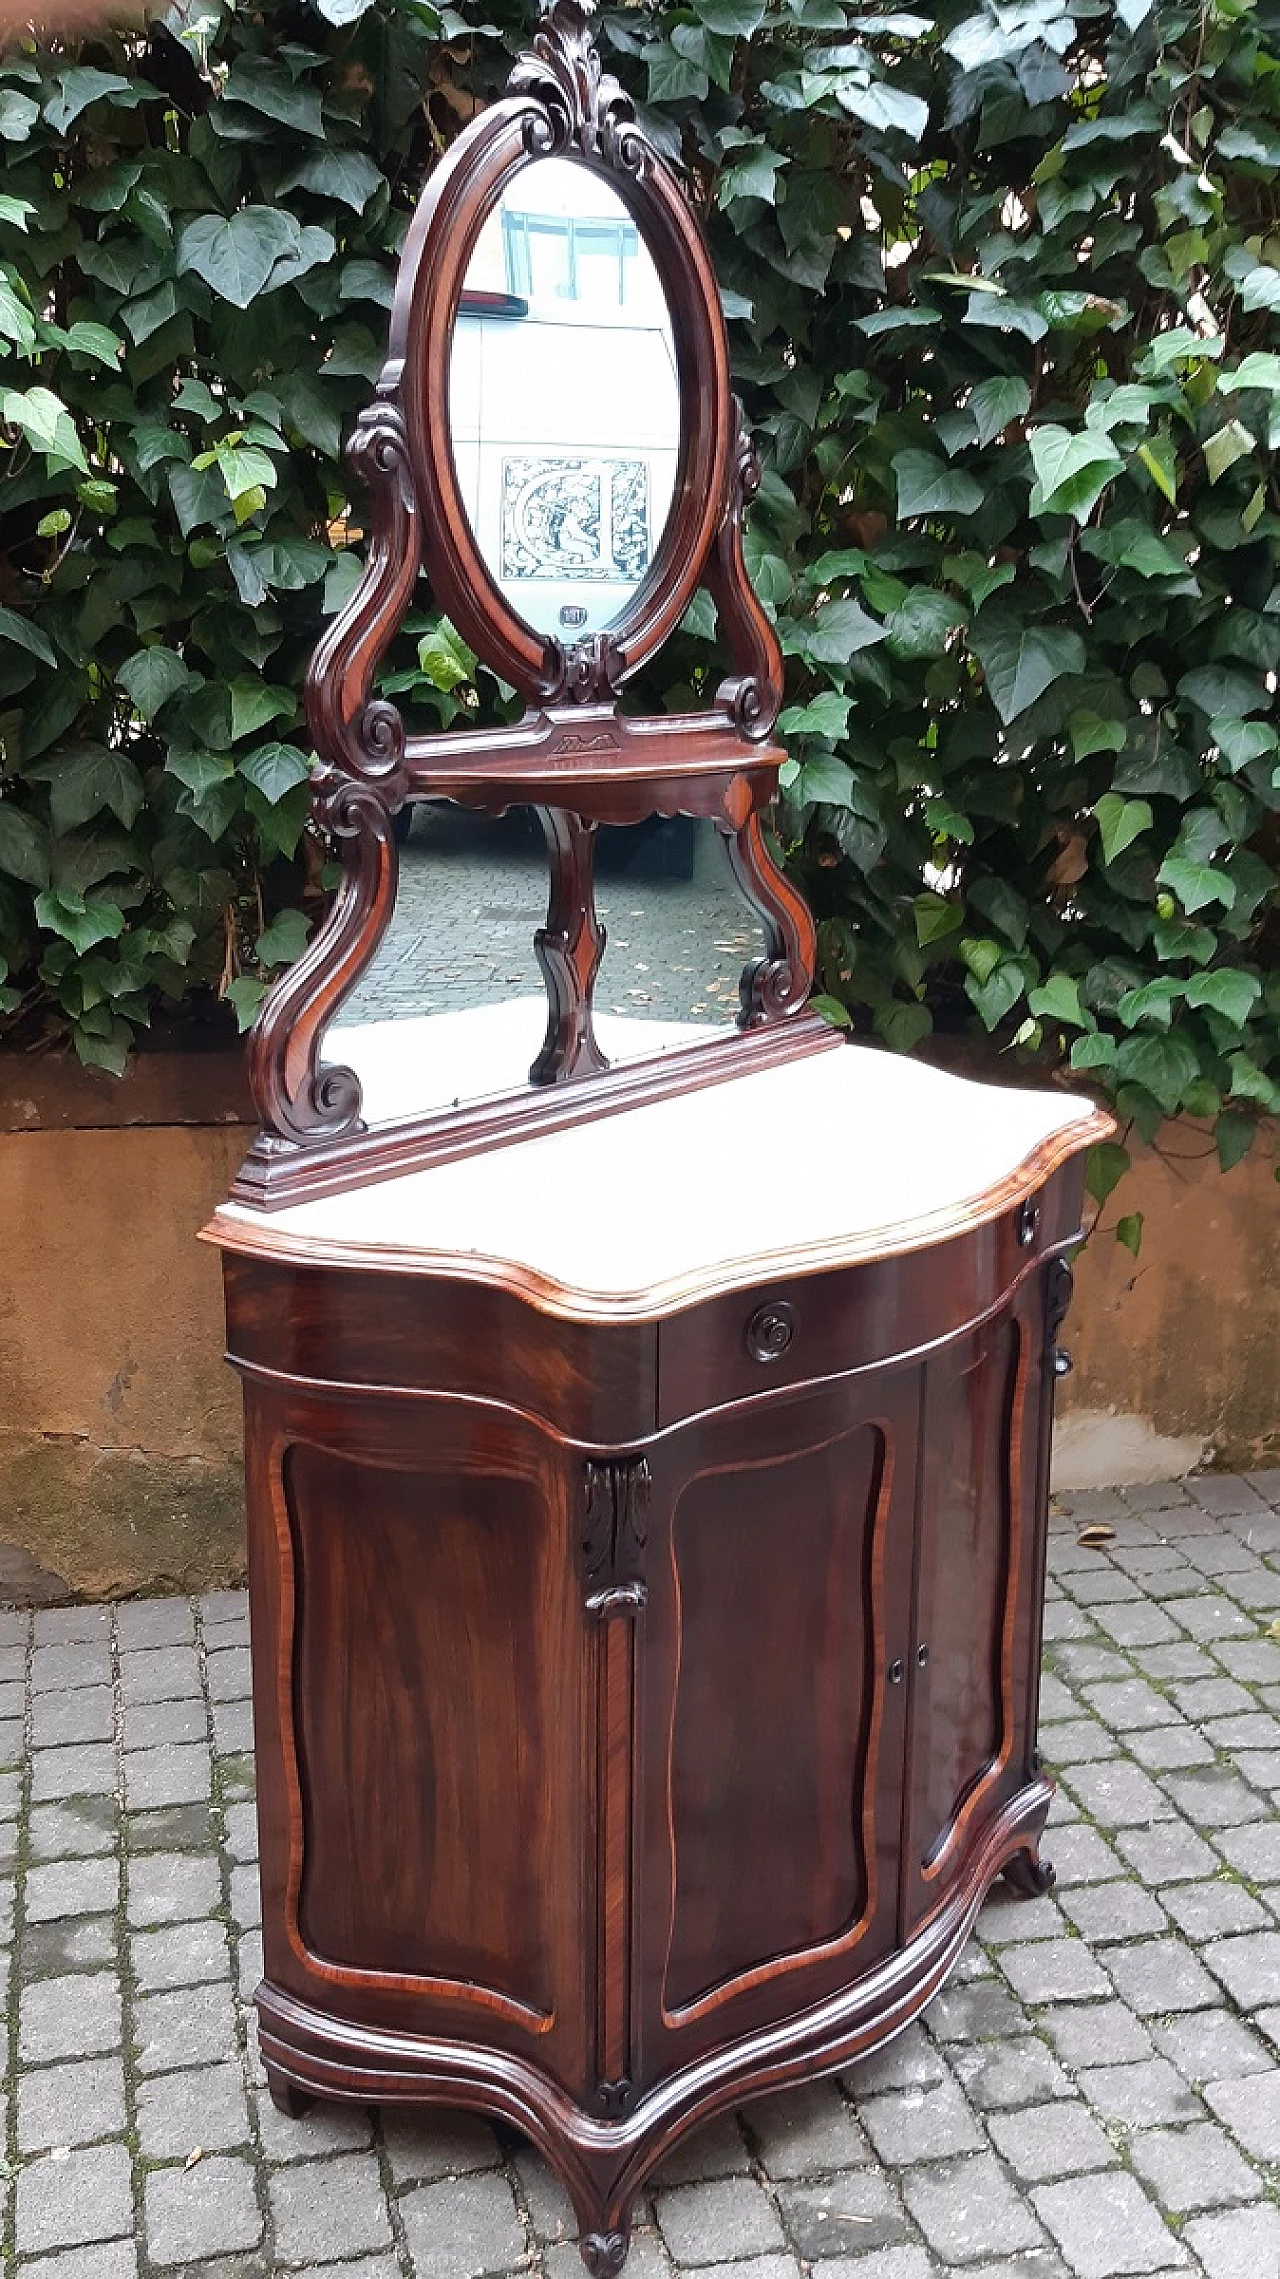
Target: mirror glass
column 678, row 935
column 563, row 400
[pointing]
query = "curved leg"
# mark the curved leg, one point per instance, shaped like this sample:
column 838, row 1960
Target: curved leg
column 775, row 986
column 1029, row 1875
column 286, row 2096
column 569, row 949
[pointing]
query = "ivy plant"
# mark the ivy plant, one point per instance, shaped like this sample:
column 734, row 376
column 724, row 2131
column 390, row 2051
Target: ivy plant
column 1003, row 290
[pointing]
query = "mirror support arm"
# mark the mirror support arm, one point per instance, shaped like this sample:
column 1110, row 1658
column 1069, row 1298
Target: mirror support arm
column 569, row 949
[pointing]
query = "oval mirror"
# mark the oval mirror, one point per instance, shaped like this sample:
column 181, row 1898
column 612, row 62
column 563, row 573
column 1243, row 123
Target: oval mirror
column 564, row 401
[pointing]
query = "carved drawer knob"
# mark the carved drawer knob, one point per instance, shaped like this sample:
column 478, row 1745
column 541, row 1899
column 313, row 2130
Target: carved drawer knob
column 771, row 1330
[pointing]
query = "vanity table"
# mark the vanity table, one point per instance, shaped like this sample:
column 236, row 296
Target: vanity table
column 646, row 1541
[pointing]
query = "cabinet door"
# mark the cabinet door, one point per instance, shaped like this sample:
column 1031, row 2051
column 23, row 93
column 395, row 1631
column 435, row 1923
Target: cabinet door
column 425, row 1719
column 975, row 1630
column 770, row 1742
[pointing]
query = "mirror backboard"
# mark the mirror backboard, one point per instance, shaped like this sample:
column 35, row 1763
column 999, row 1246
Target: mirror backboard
column 564, row 400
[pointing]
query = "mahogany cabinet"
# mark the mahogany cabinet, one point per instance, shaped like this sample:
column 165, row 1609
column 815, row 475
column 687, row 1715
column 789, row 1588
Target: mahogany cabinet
column 645, row 1695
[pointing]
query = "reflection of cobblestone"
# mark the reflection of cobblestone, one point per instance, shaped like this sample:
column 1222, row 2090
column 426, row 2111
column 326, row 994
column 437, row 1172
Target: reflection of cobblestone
column 472, row 893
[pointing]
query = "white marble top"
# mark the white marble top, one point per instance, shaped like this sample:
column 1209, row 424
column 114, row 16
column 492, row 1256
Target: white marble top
column 846, row 1154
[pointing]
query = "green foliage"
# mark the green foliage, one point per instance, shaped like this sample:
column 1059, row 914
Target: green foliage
column 1003, row 287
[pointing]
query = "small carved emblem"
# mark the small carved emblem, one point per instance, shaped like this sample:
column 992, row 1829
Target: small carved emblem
column 614, row 1532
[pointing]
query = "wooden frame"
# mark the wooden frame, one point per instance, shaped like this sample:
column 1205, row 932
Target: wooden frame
column 574, row 756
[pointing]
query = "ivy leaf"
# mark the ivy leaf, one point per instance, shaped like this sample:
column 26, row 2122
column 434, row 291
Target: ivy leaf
column 1090, row 733
column 1230, row 992
column 1222, row 450
column 1217, row 689
column 754, row 174
column 1120, row 822
column 255, row 704
column 85, row 780
column 1164, row 1066
column 76, row 89
column 1241, row 741
column 889, row 108
column 284, row 940
column 836, row 632
column 1021, row 661
column 826, row 779
column 274, row 769
column 45, row 418
column 236, row 256
column 927, row 486
column 1196, row 884
column 271, row 89
column 82, row 923
column 350, row 176
column 244, row 995
column 24, row 635
column 826, row 716
column 1059, row 1000
column 151, row 678
column 1105, row 1166
column 1129, row 1228
column 1072, row 470
column 997, row 403
column 444, row 657
column 24, row 846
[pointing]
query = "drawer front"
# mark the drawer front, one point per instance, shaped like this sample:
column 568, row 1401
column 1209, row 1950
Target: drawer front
column 805, row 1327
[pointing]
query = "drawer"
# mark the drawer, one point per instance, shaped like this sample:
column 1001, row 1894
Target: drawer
column 807, row 1326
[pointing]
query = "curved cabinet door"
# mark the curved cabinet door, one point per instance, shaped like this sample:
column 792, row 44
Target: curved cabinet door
column 975, row 1625
column 425, row 1719
column 770, row 1742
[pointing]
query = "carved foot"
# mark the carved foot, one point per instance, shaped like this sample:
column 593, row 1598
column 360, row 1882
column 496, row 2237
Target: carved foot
column 286, row 2095
column 1029, row 1875
column 604, row 2253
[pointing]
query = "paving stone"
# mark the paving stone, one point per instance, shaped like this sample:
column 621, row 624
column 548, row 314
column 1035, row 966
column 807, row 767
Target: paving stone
column 1255, row 1660
column 1251, row 2110
column 223, row 1606
column 182, row 1954
column 920, row 2124
column 851, row 2214
column 246, row 1898
column 62, row 1669
column 1054, row 1970
column 909, row 2061
column 1182, row 1661
column 328, row 2208
column 144, row 1622
column 163, row 1673
column 1106, row 2226
column 422, row 2147
column 1099, row 1586
column 887, row 2263
column 1156, row 1976
column 159, row 1724
column 73, row 1831
column 1009, row 1919
column 1249, row 1967
column 1214, row 1797
column 191, row 2027
column 1253, row 1731
column 71, row 1887
column 1211, row 2045
column 1056, row 1700
column 1193, row 2168
column 11, row 1740
column 229, row 1674
column 1139, row 2096
column 1079, row 1661
column 1212, row 1910
column 113, row 2259
column 76, row 2016
column 242, row 1832
column 71, row 1625
column 322, row 2129
column 1166, row 1747
column 463, row 2227
column 967, row 2208
column 87, row 1713
column 232, row 1728
column 711, row 2222
column 1081, row 1855
column 75, row 1942
column 1130, row 1704
column 805, row 2132
column 177, row 1775
column 1242, row 2245
column 997, row 2076
column 179, row 1828
column 68, row 2200
column 1168, row 1853
column 549, row 2206
column 172, row 1887
column 1119, row 1795
column 1103, row 1912
column 973, row 2014
column 1142, row 1624
column 1203, row 1698
column 1255, row 1852
column 1046, row 2141
column 210, row 2209
column 70, row 2104
column 178, row 2111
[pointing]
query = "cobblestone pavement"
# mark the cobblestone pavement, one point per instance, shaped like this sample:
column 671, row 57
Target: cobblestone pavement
column 1096, row 2093
column 473, row 892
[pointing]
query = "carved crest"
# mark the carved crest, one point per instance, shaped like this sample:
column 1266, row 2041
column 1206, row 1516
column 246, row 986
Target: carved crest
column 582, row 105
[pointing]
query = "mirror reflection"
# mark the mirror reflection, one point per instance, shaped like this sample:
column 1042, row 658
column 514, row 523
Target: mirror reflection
column 453, row 1007
column 563, row 398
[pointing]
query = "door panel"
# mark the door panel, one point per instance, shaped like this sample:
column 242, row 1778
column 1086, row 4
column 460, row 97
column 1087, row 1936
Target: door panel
column 780, row 1551
column 434, row 1704
column 981, row 1403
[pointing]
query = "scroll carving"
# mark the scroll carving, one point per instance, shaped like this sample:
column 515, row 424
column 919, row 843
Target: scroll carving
column 753, row 696
column 776, row 986
column 579, row 104
column 604, row 2253
column 614, row 1533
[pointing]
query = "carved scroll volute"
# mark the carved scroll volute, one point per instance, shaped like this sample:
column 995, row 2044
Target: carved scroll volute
column 754, row 694
column 356, row 788
column 776, row 986
column 581, row 106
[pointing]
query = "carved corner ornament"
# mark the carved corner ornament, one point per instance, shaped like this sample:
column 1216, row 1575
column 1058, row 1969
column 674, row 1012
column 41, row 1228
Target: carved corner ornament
column 580, row 105
column 615, row 1531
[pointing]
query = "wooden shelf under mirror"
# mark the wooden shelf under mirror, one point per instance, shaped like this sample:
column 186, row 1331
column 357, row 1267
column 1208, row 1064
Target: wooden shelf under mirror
column 647, row 1458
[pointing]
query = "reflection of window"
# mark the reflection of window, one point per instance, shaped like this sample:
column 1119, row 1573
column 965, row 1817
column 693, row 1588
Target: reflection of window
column 570, row 257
